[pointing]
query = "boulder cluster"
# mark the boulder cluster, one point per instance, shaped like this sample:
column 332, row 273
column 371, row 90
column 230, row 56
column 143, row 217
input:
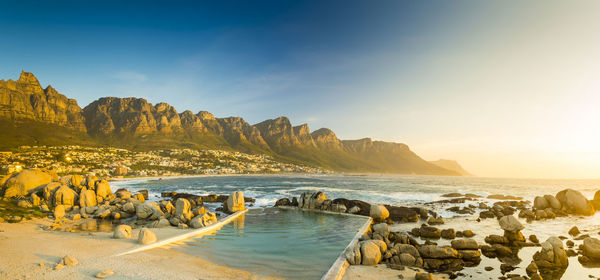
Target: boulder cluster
column 319, row 201
column 397, row 249
column 565, row 202
column 78, row 197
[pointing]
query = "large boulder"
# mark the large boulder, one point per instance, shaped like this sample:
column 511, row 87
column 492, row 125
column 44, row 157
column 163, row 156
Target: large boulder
column 591, row 248
column 90, row 181
column 379, row 212
column 370, row 252
column 87, row 198
column 103, row 189
column 65, row 196
column 146, row 236
column 206, row 219
column 312, row 200
column 540, row 202
column 23, row 182
column 575, row 202
column 552, row 201
column 122, row 232
column 148, row 211
column 353, row 256
column 235, row 202
column 510, row 223
column 76, row 181
column 552, row 254
column 48, row 191
column 182, row 207
column 59, row 212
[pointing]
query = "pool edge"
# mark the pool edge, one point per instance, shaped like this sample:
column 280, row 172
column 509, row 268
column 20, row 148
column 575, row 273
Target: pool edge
column 186, row 235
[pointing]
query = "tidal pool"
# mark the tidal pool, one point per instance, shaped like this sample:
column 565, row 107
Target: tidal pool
column 285, row 243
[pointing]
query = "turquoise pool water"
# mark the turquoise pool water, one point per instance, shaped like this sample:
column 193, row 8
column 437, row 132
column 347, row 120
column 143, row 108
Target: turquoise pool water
column 283, row 243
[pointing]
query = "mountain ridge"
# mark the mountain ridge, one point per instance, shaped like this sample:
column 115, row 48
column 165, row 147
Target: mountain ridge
column 137, row 124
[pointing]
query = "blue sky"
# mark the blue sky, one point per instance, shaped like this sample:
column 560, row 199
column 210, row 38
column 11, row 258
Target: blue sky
column 476, row 81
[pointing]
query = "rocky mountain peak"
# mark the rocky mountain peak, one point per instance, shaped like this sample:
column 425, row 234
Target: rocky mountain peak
column 325, row 138
column 27, row 82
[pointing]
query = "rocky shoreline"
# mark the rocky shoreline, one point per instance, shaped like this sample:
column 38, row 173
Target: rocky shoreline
column 79, row 203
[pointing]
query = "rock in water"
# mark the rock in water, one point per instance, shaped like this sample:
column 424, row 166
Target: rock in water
column 540, row 203
column 235, row 202
column 146, row 236
column 203, row 220
column 25, row 181
column 379, row 212
column 552, row 201
column 574, row 231
column 575, row 202
column 465, row 244
column 510, row 223
column 122, row 232
column 552, row 254
column 423, row 276
column 591, row 248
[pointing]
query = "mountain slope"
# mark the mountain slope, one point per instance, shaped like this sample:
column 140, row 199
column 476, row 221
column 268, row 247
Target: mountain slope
column 31, row 115
column 451, row 165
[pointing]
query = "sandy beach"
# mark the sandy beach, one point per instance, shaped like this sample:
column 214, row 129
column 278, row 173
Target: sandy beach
column 29, row 252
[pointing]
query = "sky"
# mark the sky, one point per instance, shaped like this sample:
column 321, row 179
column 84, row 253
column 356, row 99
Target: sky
column 506, row 88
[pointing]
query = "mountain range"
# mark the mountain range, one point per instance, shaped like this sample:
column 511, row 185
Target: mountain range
column 32, row 115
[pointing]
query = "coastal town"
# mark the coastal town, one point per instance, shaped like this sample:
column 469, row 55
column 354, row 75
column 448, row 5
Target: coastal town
column 103, row 161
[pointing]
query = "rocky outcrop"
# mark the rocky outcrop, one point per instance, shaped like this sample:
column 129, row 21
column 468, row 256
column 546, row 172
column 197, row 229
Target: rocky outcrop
column 25, row 99
column 324, row 138
column 235, row 202
column 20, row 184
column 574, row 202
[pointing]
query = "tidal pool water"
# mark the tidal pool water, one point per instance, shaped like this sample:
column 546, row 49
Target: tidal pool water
column 283, row 243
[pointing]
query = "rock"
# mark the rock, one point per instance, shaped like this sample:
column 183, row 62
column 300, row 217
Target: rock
column 90, row 181
column 201, row 221
column 146, row 236
column 35, row 200
column 465, row 244
column 76, row 217
column 87, row 198
column 339, row 208
column 122, row 232
column 510, row 223
column 379, row 212
column 575, row 202
column 235, row 202
column 552, row 254
column 468, row 233
column 423, row 276
column 283, row 202
column 430, row 232
column 540, row 203
column 69, row 261
column 448, row 233
column 103, row 213
column 103, row 189
column 44, row 208
column 501, row 250
column 59, row 212
column 147, row 211
column 311, row 200
column 25, row 181
column 76, row 180
column 591, row 248
column 574, row 231
column 129, row 208
column 435, row 221
column 354, row 210
column 24, row 204
column 49, row 190
column 105, row 274
column 123, row 193
column 161, row 223
column 182, row 207
column 370, row 252
column 139, row 197
column 64, row 196
column 436, row 252
column 382, row 229
column 534, row 239
column 407, row 259
column 353, row 256
column 552, row 201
